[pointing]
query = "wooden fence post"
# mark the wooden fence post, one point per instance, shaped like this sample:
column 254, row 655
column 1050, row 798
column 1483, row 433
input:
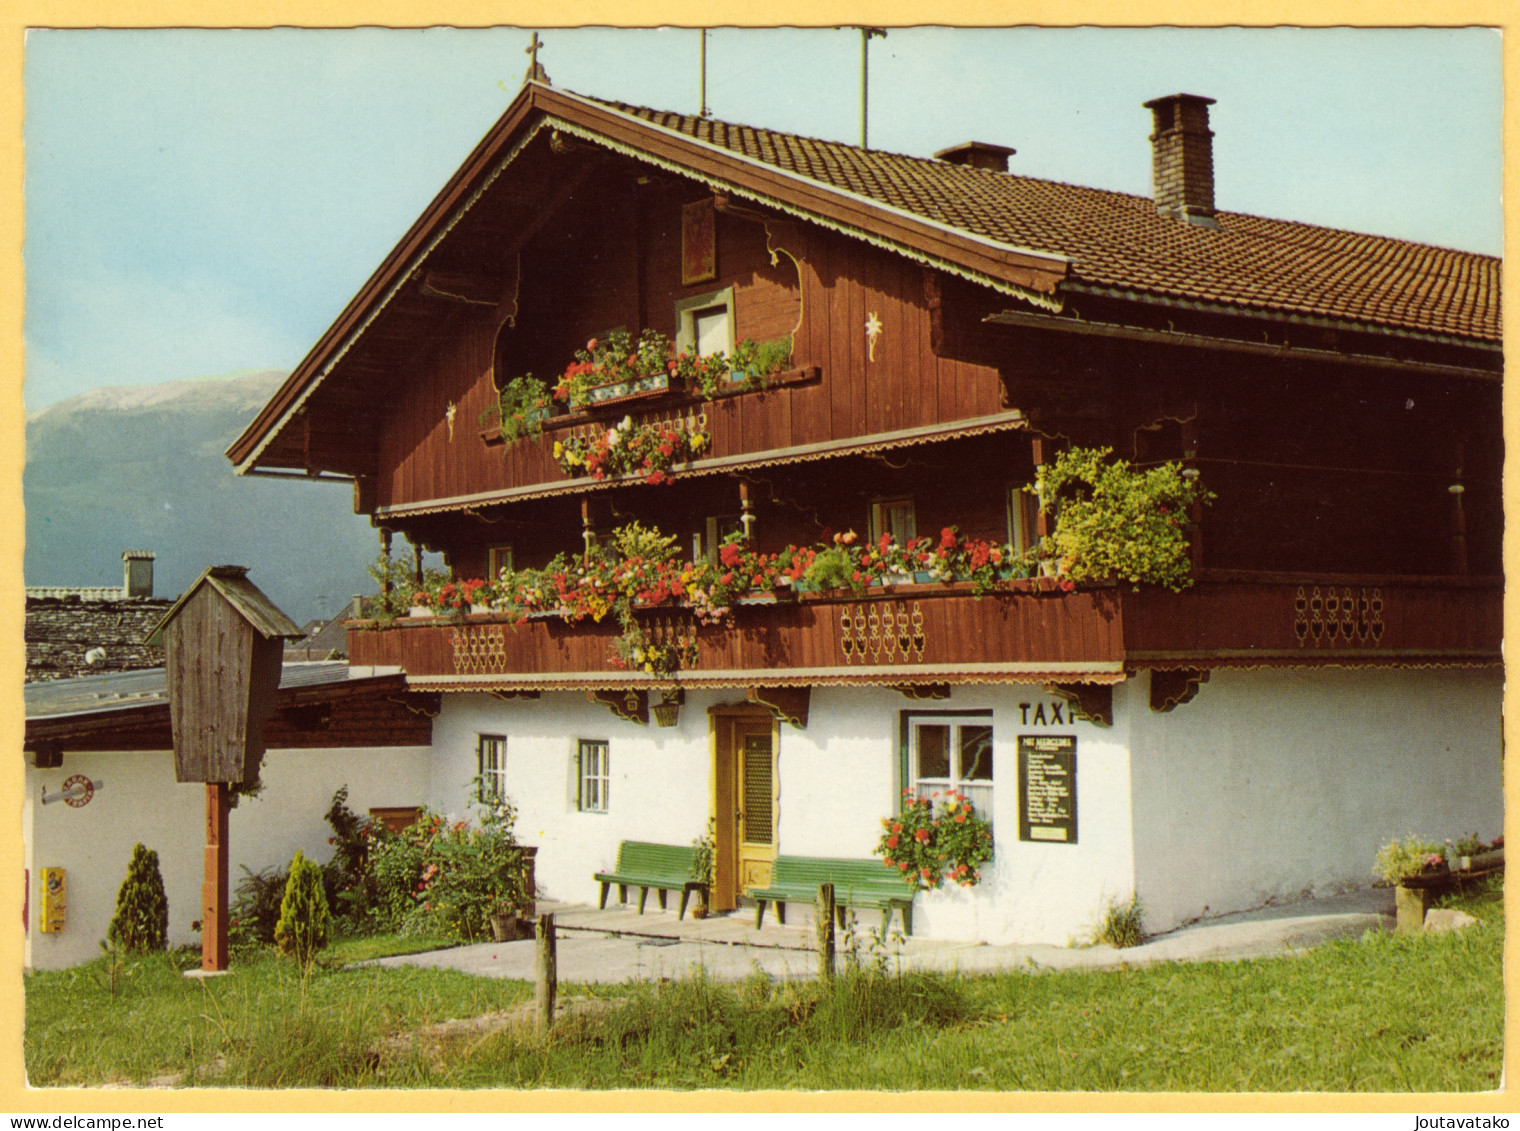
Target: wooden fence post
column 823, row 914
column 547, row 974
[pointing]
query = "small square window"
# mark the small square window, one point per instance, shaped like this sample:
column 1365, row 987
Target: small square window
column 894, row 517
column 593, row 776
column 711, row 534
column 498, row 558
column 491, row 753
column 705, row 323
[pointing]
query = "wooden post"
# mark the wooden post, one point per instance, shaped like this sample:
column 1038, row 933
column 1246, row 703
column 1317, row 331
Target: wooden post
column 214, row 885
column 1458, row 515
column 547, row 974
column 1195, row 512
column 1040, row 452
column 823, row 914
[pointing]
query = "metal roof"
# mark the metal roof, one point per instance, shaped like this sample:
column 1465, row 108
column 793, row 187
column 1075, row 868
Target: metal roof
column 147, row 688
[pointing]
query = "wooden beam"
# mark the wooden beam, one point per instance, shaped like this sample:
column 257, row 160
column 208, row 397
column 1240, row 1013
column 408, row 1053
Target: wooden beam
column 1094, row 700
column 214, row 883
column 787, row 703
column 632, row 704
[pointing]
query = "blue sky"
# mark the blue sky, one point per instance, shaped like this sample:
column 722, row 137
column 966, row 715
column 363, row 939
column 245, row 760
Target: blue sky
column 205, row 202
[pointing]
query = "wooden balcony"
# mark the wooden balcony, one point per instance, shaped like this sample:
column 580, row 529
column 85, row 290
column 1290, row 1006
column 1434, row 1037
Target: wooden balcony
column 919, row 636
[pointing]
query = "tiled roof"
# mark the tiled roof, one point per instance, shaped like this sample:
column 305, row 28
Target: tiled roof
column 1117, row 240
column 61, row 632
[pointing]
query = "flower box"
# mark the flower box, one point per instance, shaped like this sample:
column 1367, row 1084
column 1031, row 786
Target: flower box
column 618, row 391
column 421, row 611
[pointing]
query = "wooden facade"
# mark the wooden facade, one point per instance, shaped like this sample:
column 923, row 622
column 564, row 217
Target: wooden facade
column 1355, row 468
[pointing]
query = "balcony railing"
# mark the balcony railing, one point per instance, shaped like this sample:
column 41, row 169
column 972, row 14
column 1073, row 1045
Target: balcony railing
column 916, row 635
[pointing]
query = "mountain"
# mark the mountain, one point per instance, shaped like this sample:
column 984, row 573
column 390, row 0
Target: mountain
column 141, row 468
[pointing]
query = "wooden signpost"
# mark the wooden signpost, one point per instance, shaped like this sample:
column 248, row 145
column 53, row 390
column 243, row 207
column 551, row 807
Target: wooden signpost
column 223, row 644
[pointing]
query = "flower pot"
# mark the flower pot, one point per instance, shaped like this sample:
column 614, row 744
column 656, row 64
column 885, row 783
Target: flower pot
column 897, row 579
column 923, row 577
column 421, row 611
column 476, row 610
column 1050, row 567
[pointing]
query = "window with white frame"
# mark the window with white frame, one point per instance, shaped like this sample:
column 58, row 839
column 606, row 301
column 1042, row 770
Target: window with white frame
column 491, row 756
column 894, row 517
column 705, row 323
column 947, row 752
column 593, row 776
column 1023, row 519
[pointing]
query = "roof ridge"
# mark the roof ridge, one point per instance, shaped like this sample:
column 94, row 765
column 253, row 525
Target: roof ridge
column 969, row 172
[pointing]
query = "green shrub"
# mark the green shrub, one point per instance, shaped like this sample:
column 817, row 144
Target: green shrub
column 141, row 922
column 255, row 910
column 448, row 879
column 304, row 919
column 1122, row 924
column 832, row 569
column 1407, row 857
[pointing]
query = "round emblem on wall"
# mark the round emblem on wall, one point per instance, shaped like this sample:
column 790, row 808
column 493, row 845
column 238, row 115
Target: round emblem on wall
column 78, row 790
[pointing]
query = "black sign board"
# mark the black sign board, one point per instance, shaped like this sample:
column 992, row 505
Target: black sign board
column 1048, row 788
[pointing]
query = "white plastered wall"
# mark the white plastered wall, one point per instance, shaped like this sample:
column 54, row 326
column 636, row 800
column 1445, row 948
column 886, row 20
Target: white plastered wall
column 837, row 779
column 1271, row 784
column 141, row 801
column 658, row 788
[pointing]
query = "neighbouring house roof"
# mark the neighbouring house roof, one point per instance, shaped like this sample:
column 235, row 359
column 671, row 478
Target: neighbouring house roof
column 323, row 639
column 62, row 631
column 1033, row 239
column 332, row 702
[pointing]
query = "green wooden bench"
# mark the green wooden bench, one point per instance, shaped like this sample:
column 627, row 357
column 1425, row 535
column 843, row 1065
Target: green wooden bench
column 664, row 867
column 857, row 883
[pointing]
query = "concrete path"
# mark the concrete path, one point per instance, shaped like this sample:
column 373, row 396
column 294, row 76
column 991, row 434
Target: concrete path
column 620, row 945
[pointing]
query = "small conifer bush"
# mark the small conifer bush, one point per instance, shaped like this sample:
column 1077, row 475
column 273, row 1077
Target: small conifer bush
column 304, row 919
column 141, row 922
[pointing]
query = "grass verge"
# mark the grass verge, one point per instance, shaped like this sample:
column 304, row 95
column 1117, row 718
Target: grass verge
column 1385, row 1013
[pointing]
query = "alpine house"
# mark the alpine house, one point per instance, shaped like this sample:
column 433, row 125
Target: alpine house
column 1248, row 630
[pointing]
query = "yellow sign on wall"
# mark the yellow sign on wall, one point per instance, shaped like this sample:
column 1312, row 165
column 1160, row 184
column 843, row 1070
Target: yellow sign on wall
column 54, row 899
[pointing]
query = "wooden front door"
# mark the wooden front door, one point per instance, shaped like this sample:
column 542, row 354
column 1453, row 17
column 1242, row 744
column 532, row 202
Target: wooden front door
column 744, row 796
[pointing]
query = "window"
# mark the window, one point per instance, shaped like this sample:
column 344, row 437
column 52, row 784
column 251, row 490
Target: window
column 491, row 751
column 498, row 558
column 593, row 776
column 950, row 752
column 1023, row 519
column 705, row 323
column 710, row 535
column 894, row 517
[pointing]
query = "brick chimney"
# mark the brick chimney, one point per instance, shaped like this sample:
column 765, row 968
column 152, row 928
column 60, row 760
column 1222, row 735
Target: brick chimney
column 1182, row 158
column 979, row 155
column 137, row 573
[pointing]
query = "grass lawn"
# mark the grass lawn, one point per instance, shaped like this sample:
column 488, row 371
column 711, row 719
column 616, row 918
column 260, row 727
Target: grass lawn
column 1386, row 1013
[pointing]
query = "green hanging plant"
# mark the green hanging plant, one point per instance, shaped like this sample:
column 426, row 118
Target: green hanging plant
column 1116, row 522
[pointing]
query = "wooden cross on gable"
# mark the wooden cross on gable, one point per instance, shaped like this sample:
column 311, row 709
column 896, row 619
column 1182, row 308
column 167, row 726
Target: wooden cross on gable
column 536, row 73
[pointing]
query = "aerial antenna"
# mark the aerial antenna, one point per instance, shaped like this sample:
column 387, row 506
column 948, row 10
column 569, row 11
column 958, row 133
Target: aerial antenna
column 866, row 35
column 536, row 72
column 704, row 112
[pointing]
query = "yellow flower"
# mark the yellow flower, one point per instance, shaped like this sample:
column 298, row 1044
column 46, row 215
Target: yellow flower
column 559, row 449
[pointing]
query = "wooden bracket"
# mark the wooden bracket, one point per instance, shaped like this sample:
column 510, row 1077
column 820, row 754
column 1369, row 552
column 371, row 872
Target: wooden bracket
column 1093, row 701
column 1170, row 689
column 425, row 703
column 925, row 690
column 630, row 704
column 514, row 694
column 474, row 288
column 46, row 755
column 789, row 703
